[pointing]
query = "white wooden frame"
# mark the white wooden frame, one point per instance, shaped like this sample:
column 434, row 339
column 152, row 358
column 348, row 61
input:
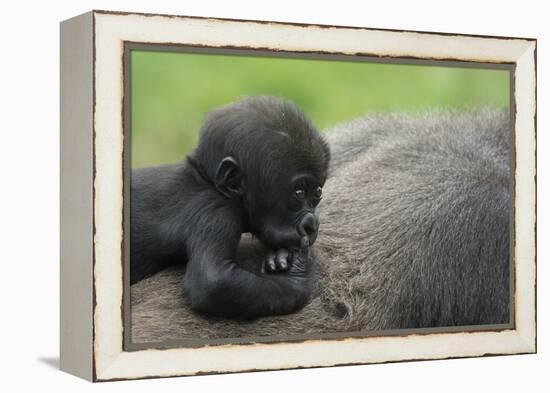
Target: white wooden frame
column 92, row 193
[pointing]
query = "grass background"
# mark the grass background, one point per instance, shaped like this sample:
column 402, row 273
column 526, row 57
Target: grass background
column 170, row 92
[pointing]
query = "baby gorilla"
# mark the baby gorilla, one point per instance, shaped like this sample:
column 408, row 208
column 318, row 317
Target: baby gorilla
column 259, row 167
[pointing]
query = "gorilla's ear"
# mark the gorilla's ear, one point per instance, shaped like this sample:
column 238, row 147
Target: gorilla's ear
column 229, row 180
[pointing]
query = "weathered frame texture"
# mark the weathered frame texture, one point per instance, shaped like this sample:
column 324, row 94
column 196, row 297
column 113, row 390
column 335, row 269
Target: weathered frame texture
column 94, row 160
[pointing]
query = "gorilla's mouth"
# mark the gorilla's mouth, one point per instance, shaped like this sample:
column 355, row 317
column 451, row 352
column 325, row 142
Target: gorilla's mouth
column 286, row 237
column 281, row 237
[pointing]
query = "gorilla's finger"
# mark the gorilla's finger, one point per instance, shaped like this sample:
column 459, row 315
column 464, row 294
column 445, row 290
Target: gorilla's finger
column 304, row 248
column 282, row 259
column 270, row 262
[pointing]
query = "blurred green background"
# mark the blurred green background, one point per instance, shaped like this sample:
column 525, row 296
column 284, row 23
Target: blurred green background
column 170, row 92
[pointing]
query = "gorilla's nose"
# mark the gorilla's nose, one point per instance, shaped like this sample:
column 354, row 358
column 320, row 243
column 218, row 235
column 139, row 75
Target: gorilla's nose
column 308, row 226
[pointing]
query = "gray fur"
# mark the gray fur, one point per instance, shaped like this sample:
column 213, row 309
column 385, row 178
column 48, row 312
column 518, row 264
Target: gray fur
column 414, row 233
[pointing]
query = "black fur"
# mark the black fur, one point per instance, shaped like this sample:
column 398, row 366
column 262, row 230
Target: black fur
column 252, row 158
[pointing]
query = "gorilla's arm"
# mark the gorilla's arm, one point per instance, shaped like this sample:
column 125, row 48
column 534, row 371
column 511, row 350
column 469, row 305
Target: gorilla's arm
column 216, row 285
column 178, row 218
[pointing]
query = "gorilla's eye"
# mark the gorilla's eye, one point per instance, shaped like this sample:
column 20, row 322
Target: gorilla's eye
column 318, row 192
column 300, row 194
column 317, row 196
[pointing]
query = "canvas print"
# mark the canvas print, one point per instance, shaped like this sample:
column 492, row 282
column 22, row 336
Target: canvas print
column 277, row 197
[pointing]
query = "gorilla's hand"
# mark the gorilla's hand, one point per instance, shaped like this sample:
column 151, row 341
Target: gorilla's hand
column 277, row 261
column 284, row 260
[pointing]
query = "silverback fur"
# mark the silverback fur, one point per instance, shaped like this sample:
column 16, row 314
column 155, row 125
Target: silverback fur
column 415, row 225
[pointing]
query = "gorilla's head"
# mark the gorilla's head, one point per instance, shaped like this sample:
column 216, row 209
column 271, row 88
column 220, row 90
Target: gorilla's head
column 263, row 153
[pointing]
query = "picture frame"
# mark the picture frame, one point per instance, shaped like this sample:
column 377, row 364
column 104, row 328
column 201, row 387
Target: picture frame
column 94, row 191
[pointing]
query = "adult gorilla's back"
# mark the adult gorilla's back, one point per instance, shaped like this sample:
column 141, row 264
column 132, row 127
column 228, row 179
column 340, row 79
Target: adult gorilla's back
column 414, row 232
column 416, row 221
